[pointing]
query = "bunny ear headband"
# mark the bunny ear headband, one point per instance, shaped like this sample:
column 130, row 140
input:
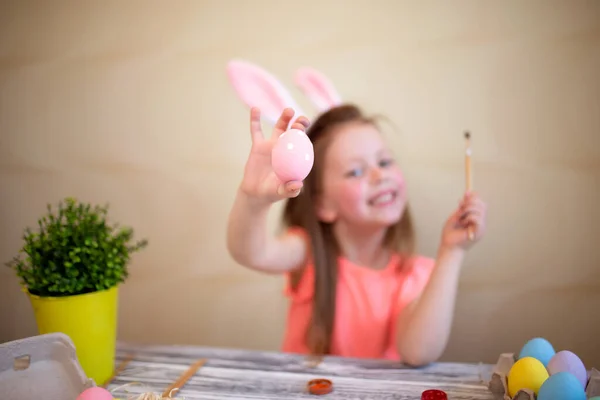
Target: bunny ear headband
column 258, row 88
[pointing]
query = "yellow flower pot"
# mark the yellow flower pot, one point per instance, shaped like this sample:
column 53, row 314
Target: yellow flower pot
column 90, row 320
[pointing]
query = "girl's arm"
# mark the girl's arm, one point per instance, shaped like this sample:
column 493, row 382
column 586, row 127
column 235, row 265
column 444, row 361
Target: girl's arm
column 424, row 327
column 248, row 240
column 250, row 244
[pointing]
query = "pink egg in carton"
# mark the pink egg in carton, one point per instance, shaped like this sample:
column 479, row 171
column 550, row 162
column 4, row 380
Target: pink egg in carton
column 498, row 383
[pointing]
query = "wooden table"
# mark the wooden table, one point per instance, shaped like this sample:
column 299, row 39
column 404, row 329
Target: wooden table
column 243, row 374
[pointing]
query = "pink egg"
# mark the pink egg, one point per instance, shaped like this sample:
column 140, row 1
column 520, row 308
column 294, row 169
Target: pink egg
column 567, row 361
column 292, row 156
column 95, row 393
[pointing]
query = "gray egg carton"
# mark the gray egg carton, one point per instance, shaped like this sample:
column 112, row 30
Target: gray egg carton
column 498, row 384
column 41, row 367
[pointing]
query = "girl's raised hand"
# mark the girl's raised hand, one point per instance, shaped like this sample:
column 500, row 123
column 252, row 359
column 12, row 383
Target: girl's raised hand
column 471, row 214
column 259, row 181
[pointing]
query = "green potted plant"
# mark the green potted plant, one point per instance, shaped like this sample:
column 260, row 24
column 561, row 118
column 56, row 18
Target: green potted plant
column 71, row 269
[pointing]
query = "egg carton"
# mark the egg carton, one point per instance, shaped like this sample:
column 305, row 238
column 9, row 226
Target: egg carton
column 498, row 383
column 41, row 367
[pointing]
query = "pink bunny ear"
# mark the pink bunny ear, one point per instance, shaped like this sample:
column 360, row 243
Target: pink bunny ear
column 258, row 88
column 319, row 90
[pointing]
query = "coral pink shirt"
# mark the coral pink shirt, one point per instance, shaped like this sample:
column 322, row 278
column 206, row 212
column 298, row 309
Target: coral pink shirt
column 368, row 304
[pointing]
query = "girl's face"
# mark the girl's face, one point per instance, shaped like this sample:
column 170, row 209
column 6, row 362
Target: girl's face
column 362, row 185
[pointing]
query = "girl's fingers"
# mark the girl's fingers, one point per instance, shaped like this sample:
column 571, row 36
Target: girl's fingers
column 473, row 208
column 467, row 198
column 473, row 204
column 474, row 199
column 471, row 216
column 255, row 128
column 290, row 189
column 469, row 219
column 472, row 212
column 302, row 123
column 283, row 122
column 474, row 221
column 477, row 202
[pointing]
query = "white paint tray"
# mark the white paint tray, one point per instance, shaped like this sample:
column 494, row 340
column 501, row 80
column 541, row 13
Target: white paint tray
column 41, row 367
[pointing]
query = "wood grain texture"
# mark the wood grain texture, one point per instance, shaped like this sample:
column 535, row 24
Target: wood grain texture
column 243, row 374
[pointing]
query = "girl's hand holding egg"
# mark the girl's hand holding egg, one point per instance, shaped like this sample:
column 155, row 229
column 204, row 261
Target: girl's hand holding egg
column 277, row 166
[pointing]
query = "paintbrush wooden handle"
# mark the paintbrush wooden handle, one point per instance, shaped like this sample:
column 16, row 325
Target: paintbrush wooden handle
column 469, row 177
column 184, row 377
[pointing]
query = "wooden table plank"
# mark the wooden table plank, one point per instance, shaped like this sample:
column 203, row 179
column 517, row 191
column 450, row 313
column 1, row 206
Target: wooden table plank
column 242, row 374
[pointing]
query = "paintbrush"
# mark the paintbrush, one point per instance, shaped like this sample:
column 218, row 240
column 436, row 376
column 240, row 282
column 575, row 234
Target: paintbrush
column 468, row 173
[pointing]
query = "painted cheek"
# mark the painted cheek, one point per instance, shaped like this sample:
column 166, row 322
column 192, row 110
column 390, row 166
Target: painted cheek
column 398, row 177
column 351, row 195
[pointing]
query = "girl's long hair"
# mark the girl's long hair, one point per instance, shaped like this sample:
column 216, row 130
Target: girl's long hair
column 300, row 212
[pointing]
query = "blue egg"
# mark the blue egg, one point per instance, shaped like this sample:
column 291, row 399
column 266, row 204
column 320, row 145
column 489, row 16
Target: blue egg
column 561, row 386
column 538, row 348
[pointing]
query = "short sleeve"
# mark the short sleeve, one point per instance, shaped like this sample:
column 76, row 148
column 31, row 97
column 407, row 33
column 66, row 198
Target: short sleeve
column 304, row 288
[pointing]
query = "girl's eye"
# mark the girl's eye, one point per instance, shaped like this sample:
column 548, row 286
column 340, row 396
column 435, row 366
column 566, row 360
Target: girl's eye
column 386, row 162
column 354, row 173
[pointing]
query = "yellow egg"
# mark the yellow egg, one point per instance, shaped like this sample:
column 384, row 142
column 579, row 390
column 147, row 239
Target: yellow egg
column 526, row 373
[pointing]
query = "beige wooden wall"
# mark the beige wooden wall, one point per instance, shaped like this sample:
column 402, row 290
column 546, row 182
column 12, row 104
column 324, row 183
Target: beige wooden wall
column 128, row 102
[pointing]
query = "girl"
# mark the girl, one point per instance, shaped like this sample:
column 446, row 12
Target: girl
column 356, row 288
